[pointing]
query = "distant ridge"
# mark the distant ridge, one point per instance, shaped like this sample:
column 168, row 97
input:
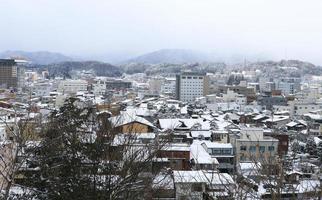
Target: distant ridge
column 37, row 57
column 174, row 56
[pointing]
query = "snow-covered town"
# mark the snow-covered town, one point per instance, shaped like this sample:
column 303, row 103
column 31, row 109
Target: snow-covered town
column 160, row 100
column 192, row 135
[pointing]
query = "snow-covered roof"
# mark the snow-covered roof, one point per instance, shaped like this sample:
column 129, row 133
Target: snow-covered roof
column 196, row 134
column 313, row 116
column 249, row 168
column 210, row 144
column 127, row 118
column 163, row 181
column 292, row 124
column 201, row 176
column 317, row 140
column 277, row 118
column 176, row 147
column 174, row 123
column 200, row 155
column 259, row 117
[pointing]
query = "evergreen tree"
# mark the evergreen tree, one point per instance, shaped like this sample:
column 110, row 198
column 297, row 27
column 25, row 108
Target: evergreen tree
column 77, row 159
column 319, row 151
column 311, row 146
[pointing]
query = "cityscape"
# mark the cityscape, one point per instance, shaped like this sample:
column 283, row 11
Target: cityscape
column 167, row 124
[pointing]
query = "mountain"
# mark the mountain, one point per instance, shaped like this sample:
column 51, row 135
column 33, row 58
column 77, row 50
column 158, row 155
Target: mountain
column 174, row 56
column 38, row 57
column 100, row 68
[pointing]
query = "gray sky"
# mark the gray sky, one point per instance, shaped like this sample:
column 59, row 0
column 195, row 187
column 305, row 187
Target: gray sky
column 283, row 28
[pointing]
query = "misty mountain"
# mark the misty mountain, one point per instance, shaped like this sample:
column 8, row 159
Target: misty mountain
column 38, row 57
column 174, row 56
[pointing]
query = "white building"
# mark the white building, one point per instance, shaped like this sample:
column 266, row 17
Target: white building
column 42, row 88
column 190, row 85
column 155, row 85
column 72, row 86
column 99, row 87
column 169, row 86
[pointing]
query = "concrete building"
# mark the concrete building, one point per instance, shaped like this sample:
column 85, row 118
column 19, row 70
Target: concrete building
column 72, row 86
column 252, row 146
column 191, row 85
column 169, row 86
column 11, row 73
column 289, row 85
column 118, row 85
column 99, row 87
column 155, row 85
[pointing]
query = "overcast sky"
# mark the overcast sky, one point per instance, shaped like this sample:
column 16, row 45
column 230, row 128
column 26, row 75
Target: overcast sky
column 289, row 29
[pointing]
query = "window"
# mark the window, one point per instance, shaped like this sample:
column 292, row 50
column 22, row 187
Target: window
column 243, row 148
column 200, row 77
column 196, row 187
column 262, row 149
column 194, row 77
column 183, row 77
column 226, row 151
column 271, row 148
column 252, row 148
column 216, row 151
column 189, row 77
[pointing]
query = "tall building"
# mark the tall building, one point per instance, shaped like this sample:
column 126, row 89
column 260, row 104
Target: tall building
column 11, row 73
column 190, row 85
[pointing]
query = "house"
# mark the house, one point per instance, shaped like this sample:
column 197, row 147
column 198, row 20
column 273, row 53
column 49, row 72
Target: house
column 200, row 158
column 277, row 121
column 297, row 125
column 184, row 124
column 204, row 135
column 223, row 152
column 129, row 123
column 177, row 155
column 201, row 184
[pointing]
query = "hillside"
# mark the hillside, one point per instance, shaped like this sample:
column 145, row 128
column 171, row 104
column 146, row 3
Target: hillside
column 173, row 56
column 100, row 68
column 38, row 57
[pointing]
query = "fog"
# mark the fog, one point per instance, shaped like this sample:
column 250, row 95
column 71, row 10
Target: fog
column 287, row 29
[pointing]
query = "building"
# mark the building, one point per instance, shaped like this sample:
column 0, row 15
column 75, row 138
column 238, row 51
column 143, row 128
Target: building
column 289, row 85
column 191, row 85
column 155, row 84
column 118, row 85
column 99, row 87
column 223, row 152
column 11, row 73
column 169, row 86
column 72, row 86
column 252, row 146
column 130, row 123
column 248, row 92
column 268, row 101
column 201, row 184
column 177, row 155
